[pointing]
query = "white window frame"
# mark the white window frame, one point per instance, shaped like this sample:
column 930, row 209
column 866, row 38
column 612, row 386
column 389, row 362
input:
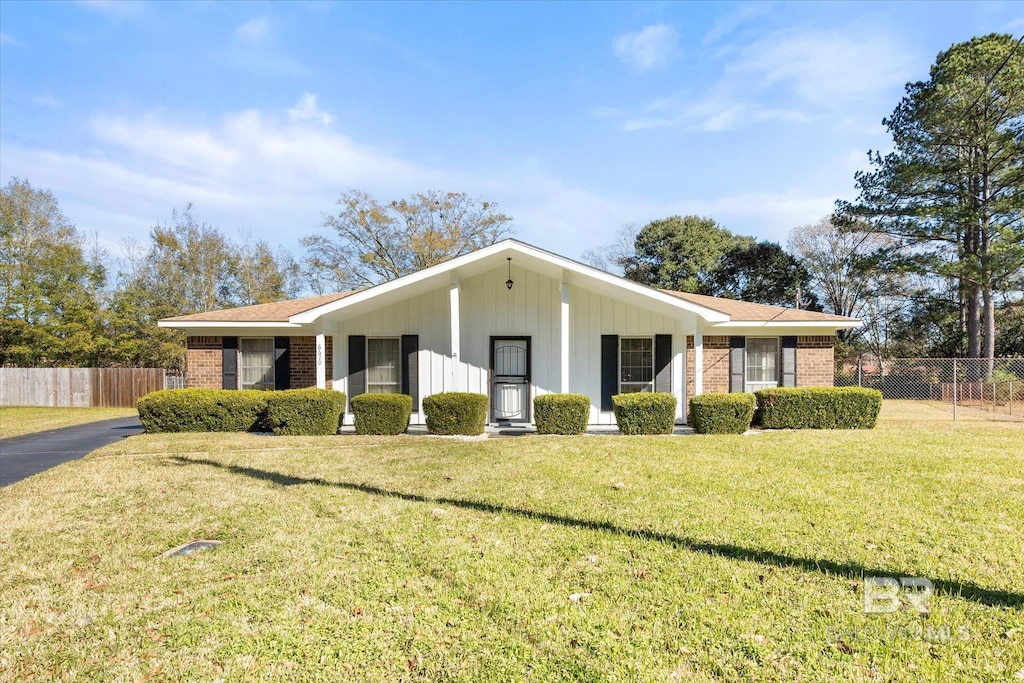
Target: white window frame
column 258, row 386
column 397, row 384
column 752, row 386
column 637, row 384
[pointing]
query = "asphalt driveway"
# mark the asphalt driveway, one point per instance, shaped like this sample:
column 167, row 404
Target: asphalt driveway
column 23, row 456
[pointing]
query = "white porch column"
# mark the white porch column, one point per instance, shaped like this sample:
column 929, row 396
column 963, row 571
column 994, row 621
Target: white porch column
column 698, row 361
column 679, row 372
column 321, row 361
column 564, row 386
column 454, row 372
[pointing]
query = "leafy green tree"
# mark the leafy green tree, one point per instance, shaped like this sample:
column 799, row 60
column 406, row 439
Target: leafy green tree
column 951, row 194
column 188, row 267
column 1010, row 320
column 133, row 336
column 927, row 325
column 761, row 273
column 48, row 289
column 263, row 275
column 375, row 241
column 679, row 253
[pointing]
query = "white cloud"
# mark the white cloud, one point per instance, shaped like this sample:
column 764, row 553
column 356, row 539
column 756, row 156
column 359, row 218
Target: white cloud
column 306, row 109
column 46, row 101
column 277, row 176
column 649, row 48
column 254, row 30
column 178, row 146
column 256, row 50
column 725, row 26
column 7, row 40
column 824, row 67
column 113, row 8
column 791, row 76
column 249, row 168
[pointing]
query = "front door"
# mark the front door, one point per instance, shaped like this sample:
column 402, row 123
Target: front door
column 510, row 379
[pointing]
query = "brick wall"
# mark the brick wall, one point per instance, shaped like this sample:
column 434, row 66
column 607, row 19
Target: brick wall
column 329, row 342
column 303, row 362
column 716, row 364
column 302, row 365
column 203, row 362
column 815, row 361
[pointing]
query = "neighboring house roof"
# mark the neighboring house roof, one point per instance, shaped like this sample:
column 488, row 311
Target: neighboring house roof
column 277, row 312
column 745, row 311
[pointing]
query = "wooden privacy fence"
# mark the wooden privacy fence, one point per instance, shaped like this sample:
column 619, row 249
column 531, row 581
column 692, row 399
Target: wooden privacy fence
column 78, row 387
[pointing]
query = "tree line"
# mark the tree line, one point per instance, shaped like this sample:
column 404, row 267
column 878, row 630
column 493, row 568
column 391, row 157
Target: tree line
column 66, row 301
column 930, row 255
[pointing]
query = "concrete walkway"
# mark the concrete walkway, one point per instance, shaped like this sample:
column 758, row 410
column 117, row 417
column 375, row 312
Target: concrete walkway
column 23, row 456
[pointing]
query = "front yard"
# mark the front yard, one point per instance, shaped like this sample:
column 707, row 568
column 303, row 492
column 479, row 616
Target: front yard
column 541, row 558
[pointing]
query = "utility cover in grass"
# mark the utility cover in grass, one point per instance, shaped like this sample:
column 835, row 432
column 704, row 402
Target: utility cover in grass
column 192, row 547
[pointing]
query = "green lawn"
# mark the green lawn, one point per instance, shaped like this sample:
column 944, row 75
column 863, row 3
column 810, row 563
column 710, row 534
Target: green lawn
column 15, row 421
column 727, row 557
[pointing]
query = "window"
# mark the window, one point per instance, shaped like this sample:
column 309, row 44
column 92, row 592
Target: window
column 762, row 363
column 257, row 363
column 636, row 365
column 383, row 375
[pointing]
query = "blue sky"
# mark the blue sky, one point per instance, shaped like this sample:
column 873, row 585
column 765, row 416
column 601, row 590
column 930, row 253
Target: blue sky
column 576, row 118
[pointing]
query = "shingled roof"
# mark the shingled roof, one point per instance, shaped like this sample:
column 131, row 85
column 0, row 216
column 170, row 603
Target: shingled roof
column 744, row 311
column 277, row 312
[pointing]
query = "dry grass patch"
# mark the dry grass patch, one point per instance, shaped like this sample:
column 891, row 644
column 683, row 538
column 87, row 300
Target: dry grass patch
column 15, row 421
column 721, row 557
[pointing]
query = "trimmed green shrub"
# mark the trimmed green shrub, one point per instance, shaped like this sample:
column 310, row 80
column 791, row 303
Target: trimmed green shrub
column 721, row 413
column 561, row 413
column 645, row 413
column 203, row 410
column 382, row 413
column 306, row 412
column 819, row 408
column 456, row 412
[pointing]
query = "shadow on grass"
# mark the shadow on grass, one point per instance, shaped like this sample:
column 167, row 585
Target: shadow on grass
column 956, row 589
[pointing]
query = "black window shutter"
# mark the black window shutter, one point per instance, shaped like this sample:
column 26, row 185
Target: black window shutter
column 411, row 368
column 229, row 362
column 282, row 363
column 663, row 362
column 356, row 365
column 737, row 363
column 609, row 369
column 789, row 361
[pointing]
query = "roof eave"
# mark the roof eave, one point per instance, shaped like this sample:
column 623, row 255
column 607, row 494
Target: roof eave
column 828, row 324
column 191, row 324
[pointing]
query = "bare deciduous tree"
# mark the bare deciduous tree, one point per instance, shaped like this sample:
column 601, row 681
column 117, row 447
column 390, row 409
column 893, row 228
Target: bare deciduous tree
column 847, row 281
column 374, row 242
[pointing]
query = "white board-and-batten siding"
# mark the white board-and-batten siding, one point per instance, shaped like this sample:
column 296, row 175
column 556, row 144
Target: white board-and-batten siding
column 532, row 308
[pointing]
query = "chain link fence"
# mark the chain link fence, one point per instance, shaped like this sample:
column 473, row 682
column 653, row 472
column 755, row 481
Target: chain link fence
column 960, row 388
column 179, row 381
